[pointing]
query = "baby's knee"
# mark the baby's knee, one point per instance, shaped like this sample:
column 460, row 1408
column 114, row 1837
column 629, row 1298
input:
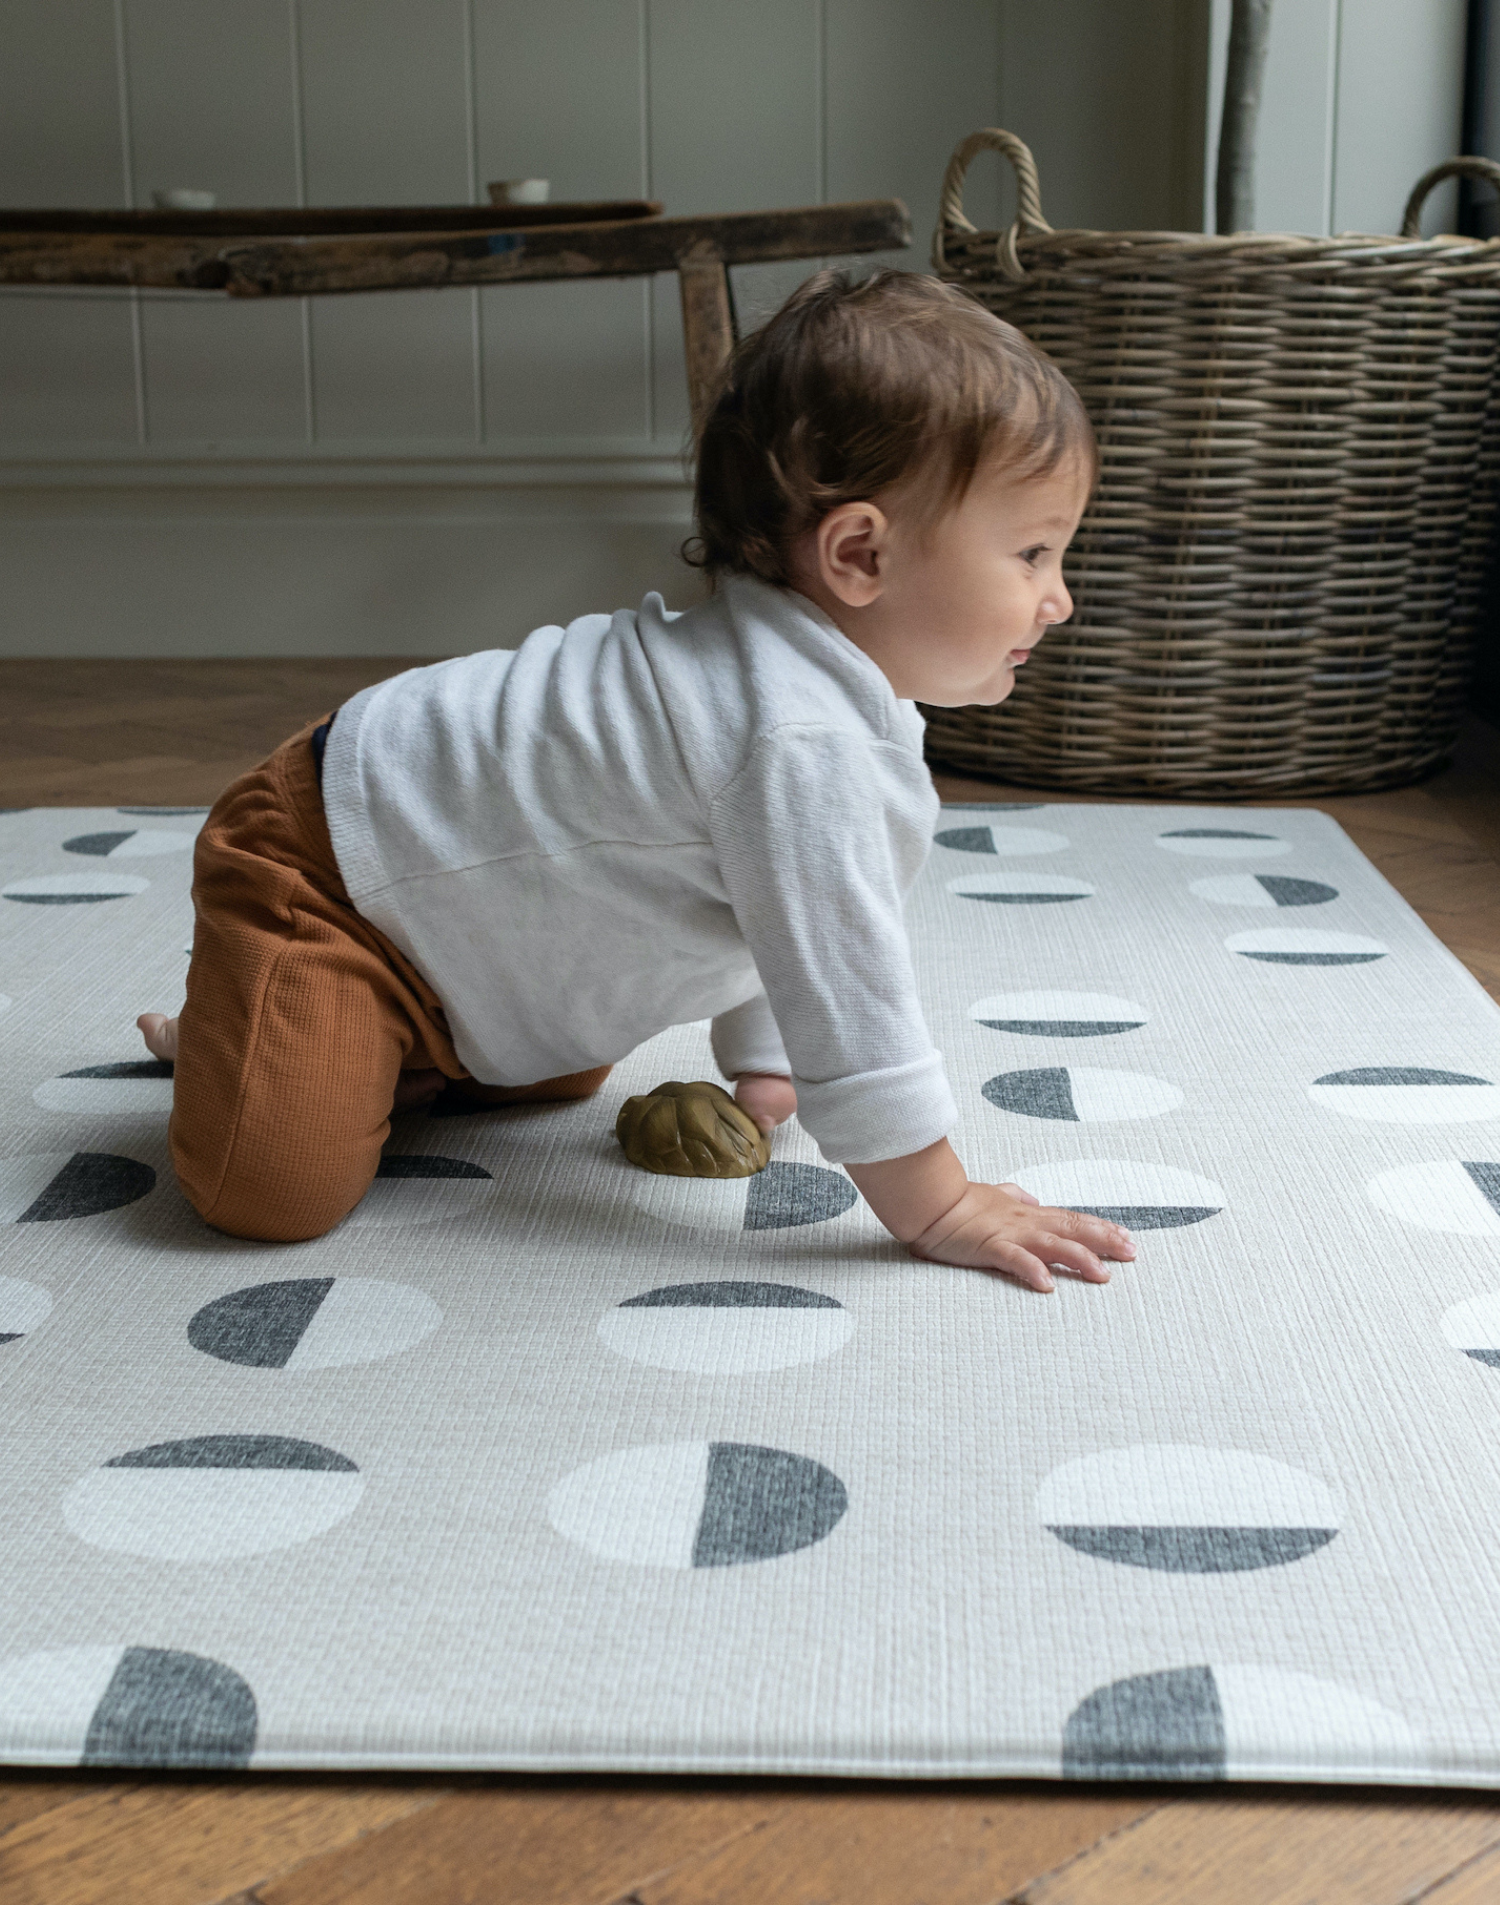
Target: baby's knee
column 292, row 1207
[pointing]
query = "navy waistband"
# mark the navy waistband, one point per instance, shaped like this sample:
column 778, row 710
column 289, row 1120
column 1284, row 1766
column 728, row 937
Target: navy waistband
column 320, row 743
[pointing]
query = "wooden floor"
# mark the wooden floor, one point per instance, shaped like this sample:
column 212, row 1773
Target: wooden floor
column 133, row 733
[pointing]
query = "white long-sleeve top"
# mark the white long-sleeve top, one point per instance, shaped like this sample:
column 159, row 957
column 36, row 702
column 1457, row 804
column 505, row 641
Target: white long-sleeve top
column 651, row 818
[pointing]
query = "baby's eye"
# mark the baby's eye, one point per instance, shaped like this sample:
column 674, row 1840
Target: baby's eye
column 1034, row 555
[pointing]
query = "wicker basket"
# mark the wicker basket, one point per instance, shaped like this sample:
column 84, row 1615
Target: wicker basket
column 1278, row 578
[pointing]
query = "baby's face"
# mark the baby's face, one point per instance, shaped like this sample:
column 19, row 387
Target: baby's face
column 964, row 604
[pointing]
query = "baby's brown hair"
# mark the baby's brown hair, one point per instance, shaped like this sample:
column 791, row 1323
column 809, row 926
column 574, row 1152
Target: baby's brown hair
column 853, row 387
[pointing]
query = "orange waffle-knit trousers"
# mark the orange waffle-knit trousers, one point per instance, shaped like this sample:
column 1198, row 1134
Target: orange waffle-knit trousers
column 300, row 1018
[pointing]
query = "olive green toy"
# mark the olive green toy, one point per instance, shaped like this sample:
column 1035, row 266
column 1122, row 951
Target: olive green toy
column 694, row 1130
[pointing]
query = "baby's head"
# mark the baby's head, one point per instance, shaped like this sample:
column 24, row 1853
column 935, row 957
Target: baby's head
column 912, row 465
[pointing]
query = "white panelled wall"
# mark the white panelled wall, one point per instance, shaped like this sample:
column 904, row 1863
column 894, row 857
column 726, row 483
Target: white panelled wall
column 428, row 472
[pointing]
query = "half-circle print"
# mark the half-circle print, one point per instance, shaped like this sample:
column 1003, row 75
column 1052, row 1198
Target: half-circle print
column 781, row 1197
column 1020, row 889
column 420, row 1188
column 987, row 837
column 74, row 889
column 1236, row 1722
column 124, row 1085
column 1458, row 1196
column 1474, row 1328
column 1058, row 1014
column 697, row 1504
column 47, row 1187
column 1127, row 1191
column 1262, row 890
column 1407, row 1094
column 306, row 1323
column 137, row 843
column 1186, row 1509
column 1081, row 1094
column 1222, row 843
column 213, row 1497
column 725, row 1327
column 1293, row 946
column 23, row 1308
column 126, row 1706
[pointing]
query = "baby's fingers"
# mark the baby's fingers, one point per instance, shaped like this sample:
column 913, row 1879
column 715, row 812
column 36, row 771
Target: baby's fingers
column 1065, row 1254
column 1094, row 1233
column 1013, row 1261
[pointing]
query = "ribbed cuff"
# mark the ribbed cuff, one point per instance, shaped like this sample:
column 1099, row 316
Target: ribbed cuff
column 878, row 1115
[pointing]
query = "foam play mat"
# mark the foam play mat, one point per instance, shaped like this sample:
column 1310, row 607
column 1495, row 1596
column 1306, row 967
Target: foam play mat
column 540, row 1462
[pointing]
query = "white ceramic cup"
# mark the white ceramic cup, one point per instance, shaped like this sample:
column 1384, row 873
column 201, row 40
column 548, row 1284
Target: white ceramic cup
column 521, row 191
column 184, row 198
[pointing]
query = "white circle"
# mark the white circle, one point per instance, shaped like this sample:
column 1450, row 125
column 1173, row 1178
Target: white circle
column 1222, row 843
column 200, row 1513
column 1010, row 840
column 132, row 1091
column 1447, row 1195
column 1147, row 1196
column 1301, row 946
column 23, row 1306
column 1259, row 890
column 1080, row 1094
column 1058, row 1014
column 392, row 1201
column 1474, row 1326
column 138, row 843
column 1378, row 1096
column 1170, row 1484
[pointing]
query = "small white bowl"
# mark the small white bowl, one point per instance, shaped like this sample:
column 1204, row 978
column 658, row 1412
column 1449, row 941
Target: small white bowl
column 184, row 198
column 520, row 191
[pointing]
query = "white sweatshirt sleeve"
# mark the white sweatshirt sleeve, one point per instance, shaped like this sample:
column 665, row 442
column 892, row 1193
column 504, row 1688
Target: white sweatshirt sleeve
column 818, row 837
column 747, row 1039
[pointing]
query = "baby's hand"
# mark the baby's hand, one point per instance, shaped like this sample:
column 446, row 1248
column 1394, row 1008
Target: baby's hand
column 770, row 1098
column 1001, row 1227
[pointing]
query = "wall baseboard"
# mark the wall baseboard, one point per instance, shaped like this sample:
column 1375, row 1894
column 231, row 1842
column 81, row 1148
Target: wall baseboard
column 184, row 565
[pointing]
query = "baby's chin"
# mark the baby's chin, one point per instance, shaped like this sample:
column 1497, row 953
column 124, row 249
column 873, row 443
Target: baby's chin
column 983, row 694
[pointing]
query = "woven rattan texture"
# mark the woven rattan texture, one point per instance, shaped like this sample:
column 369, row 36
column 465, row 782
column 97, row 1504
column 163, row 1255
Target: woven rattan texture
column 1278, row 578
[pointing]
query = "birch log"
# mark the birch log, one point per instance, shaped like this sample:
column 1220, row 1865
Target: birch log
column 1249, row 36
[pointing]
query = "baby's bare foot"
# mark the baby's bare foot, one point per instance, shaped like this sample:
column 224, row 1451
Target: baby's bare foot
column 417, row 1087
column 160, row 1034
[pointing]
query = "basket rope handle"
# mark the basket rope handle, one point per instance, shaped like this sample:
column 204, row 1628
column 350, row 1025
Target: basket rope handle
column 1028, row 219
column 1411, row 223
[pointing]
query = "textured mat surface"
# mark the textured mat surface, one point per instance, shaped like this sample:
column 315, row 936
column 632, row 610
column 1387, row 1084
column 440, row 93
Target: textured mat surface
column 540, row 1462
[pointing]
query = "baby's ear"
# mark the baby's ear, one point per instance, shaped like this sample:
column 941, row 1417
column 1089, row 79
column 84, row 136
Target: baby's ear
column 852, row 542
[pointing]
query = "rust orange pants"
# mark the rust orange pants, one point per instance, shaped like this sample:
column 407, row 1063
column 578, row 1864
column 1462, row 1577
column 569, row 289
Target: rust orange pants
column 300, row 1018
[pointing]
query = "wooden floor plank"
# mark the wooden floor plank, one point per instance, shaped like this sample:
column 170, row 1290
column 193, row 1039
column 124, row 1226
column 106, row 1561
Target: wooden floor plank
column 525, row 1843
column 1477, row 1883
column 895, row 1847
column 188, row 1842
column 1321, row 1851
column 26, row 1795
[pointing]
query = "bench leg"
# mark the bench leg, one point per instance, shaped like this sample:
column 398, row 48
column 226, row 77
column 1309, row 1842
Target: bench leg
column 707, row 328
